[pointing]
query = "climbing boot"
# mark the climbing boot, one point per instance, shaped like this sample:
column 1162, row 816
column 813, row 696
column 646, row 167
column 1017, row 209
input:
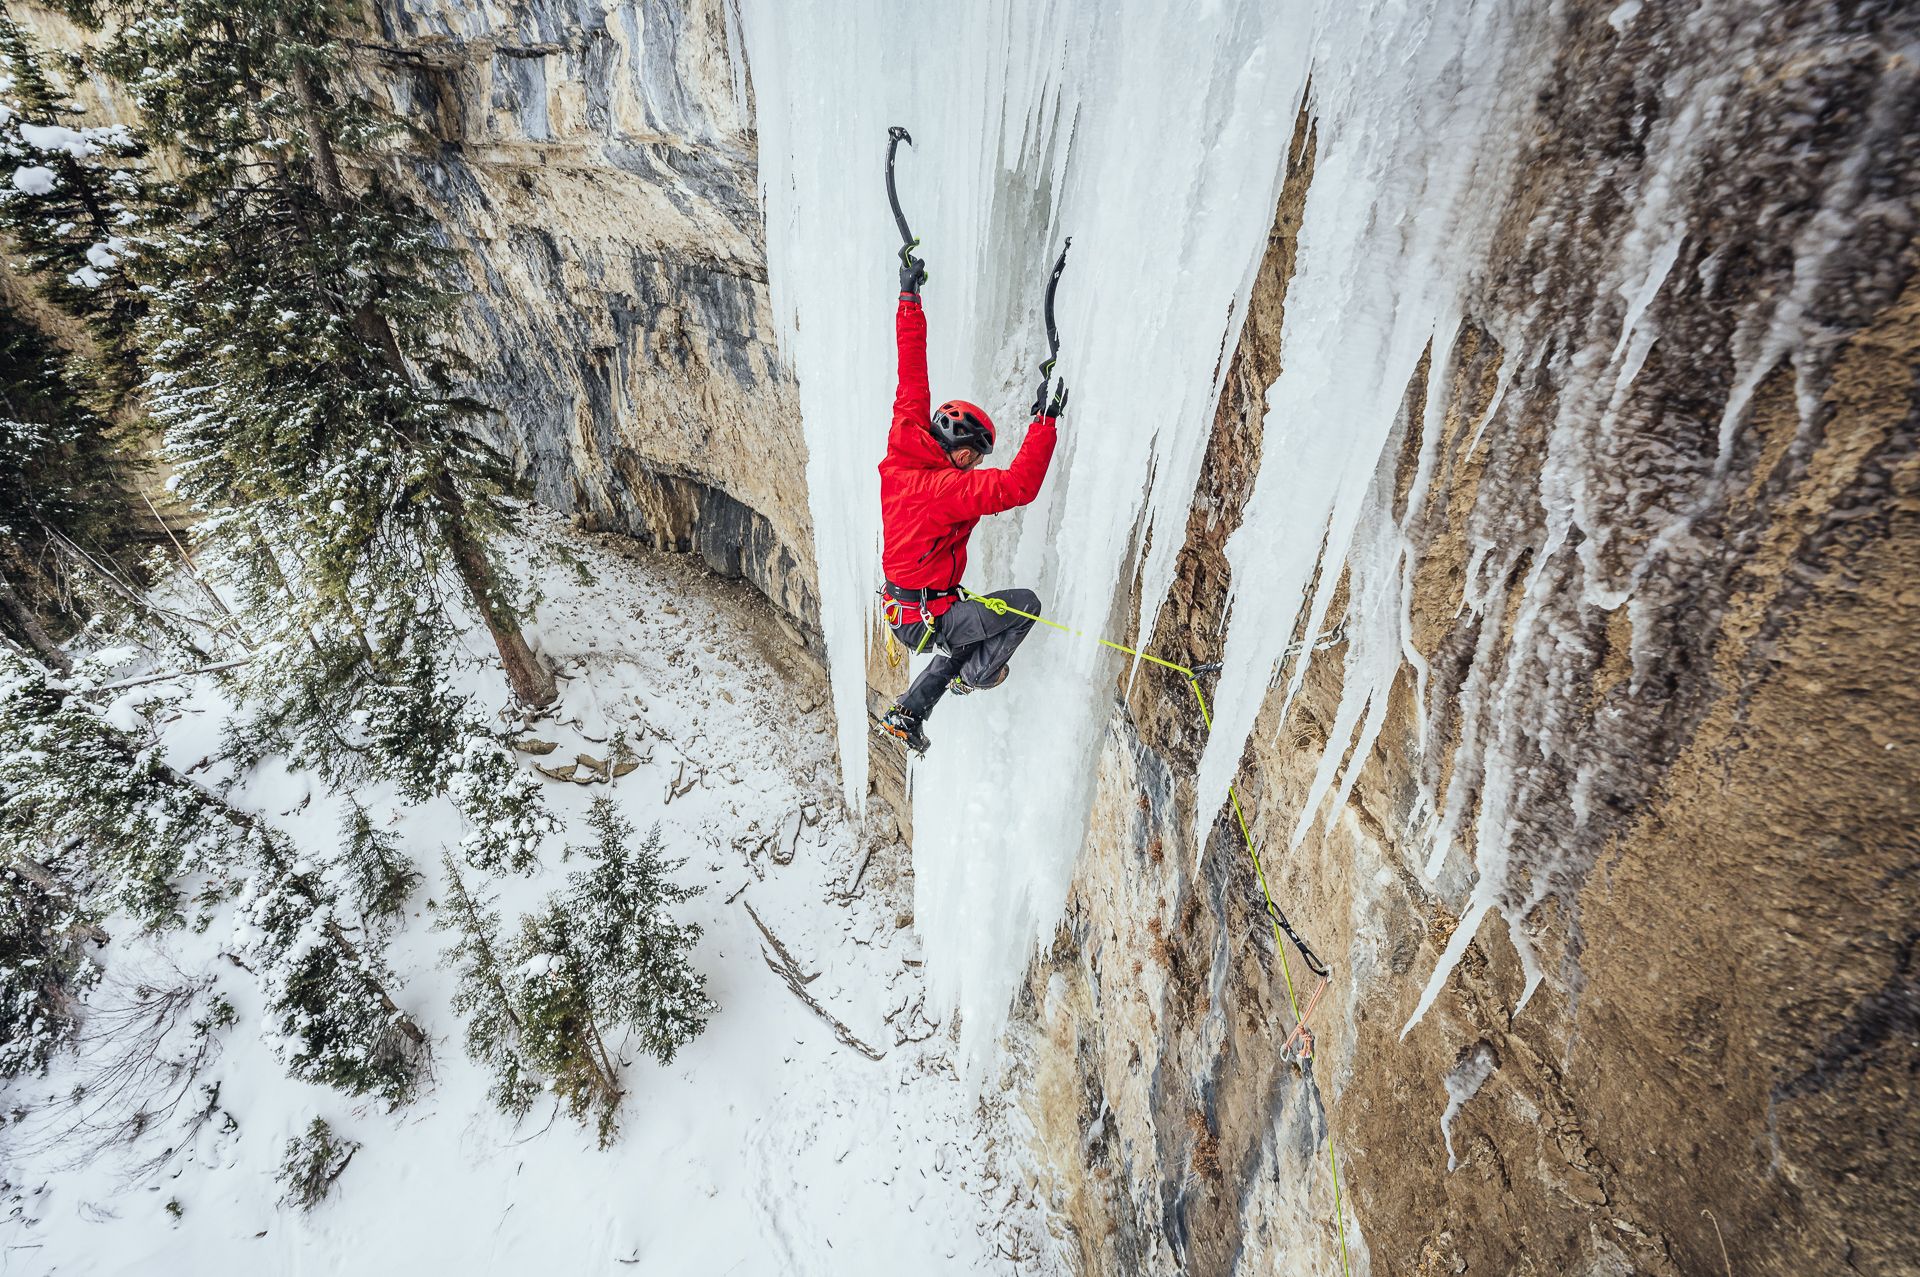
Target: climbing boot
column 960, row 687
column 906, row 726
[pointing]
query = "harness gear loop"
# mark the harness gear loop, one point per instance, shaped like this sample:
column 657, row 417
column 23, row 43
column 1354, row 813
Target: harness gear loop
column 892, row 611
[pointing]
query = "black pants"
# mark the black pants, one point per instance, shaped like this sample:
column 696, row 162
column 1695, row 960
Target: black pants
column 970, row 641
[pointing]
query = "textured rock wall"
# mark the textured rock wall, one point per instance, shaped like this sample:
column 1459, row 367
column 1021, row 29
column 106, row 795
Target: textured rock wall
column 1715, row 777
column 593, row 163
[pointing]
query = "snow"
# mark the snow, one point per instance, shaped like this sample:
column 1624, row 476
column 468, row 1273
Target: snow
column 105, row 256
column 55, row 137
column 765, row 1148
column 34, row 179
column 1157, row 139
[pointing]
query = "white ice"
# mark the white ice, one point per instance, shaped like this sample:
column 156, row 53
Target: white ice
column 1463, row 1081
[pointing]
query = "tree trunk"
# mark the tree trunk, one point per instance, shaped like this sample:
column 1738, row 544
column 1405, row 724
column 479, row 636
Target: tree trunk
column 23, row 619
column 609, row 1079
column 531, row 681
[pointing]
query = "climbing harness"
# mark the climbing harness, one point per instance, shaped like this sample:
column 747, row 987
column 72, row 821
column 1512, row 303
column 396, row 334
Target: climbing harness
column 897, row 599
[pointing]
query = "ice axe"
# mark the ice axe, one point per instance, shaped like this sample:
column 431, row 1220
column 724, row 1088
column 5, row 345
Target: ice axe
column 1041, row 407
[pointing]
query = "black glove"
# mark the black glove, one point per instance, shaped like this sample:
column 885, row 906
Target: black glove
column 1041, row 408
column 913, row 271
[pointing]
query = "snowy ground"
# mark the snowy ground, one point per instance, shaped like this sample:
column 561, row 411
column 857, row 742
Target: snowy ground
column 767, row 1147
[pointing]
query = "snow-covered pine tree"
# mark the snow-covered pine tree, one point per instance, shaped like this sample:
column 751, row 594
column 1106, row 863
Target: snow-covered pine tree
column 507, row 817
column 73, row 785
column 60, row 491
column 69, row 199
column 484, row 994
column 602, row 959
column 378, row 874
column 552, row 988
column 642, row 973
column 330, row 1018
column 295, row 328
column 311, row 1164
column 69, row 195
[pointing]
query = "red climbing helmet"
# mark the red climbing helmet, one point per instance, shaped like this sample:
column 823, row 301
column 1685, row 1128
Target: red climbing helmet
column 959, row 424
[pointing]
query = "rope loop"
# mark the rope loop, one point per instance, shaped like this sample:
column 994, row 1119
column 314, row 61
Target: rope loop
column 996, row 606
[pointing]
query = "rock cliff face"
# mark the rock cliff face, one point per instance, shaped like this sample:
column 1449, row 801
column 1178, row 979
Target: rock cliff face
column 594, row 165
column 1709, row 778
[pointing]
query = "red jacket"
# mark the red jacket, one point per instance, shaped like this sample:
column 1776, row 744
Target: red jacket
column 928, row 505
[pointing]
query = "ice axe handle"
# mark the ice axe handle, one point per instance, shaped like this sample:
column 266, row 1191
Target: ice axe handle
column 895, row 136
column 1053, row 285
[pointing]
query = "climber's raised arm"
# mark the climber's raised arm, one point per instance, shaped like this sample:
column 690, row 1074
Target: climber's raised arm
column 913, row 400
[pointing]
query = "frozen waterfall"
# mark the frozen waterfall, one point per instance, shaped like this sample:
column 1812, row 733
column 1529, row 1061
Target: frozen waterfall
column 1156, row 137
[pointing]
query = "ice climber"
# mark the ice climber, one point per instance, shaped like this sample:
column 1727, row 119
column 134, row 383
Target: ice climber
column 932, row 493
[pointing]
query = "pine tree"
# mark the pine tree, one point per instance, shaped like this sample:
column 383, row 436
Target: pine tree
column 484, row 995
column 312, row 1163
column 72, row 784
column 506, row 816
column 602, row 958
column 297, row 332
column 379, row 876
column 59, row 491
column 330, row 1018
column 553, row 993
column 643, row 977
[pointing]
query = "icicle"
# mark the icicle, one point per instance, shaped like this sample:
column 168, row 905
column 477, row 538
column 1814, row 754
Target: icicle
column 1463, row 1081
column 1450, row 957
